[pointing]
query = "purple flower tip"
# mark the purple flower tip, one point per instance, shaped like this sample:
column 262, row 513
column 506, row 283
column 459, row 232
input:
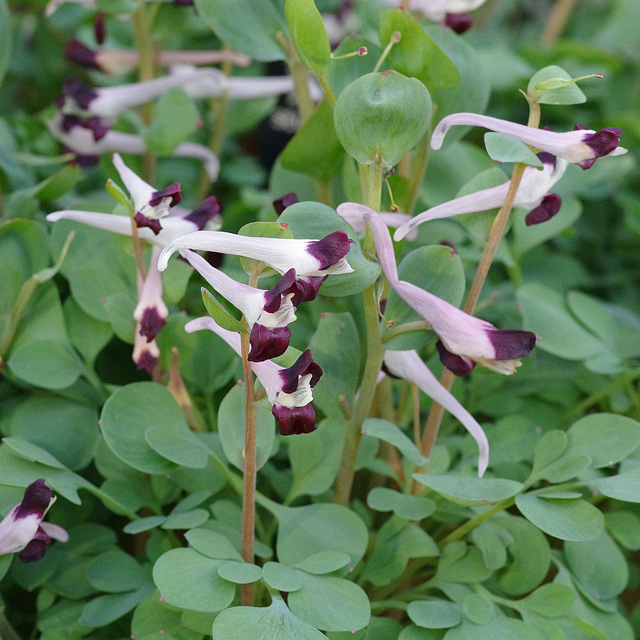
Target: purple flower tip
column 78, row 92
column 330, row 249
column 458, row 22
column 142, row 221
column 98, row 27
column 602, row 143
column 512, row 343
column 172, row 191
column 306, row 289
column 295, row 421
column 280, row 204
column 302, row 367
column 80, row 54
column 151, row 323
column 548, row 208
column 36, row 548
column 273, row 297
column 37, row 497
column 147, row 362
column 268, row 343
column 204, row 212
column 458, row 365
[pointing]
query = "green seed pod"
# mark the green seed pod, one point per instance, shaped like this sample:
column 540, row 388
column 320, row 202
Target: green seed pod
column 382, row 113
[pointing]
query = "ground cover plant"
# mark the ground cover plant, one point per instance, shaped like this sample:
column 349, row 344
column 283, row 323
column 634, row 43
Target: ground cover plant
column 319, row 319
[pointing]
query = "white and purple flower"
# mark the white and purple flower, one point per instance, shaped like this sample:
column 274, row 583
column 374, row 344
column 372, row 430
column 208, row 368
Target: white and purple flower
column 288, row 389
column 533, row 196
column 464, row 340
column 23, row 531
column 581, row 146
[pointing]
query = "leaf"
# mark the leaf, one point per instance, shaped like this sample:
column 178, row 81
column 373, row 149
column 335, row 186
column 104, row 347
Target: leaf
column 240, row 572
column 570, row 519
column 233, row 21
column 606, row 438
column 504, row 148
column 263, row 623
column 212, row 544
column 324, row 562
column 281, row 577
column 219, row 313
column 189, row 580
column 5, row 38
column 477, row 608
column 103, row 610
column 550, row 600
column 553, row 85
column 231, row 427
column 116, row 571
column 434, row 613
column 308, row 34
column 470, row 491
column 315, row 149
column 389, row 432
column 408, row 507
column 416, row 54
column 181, row 447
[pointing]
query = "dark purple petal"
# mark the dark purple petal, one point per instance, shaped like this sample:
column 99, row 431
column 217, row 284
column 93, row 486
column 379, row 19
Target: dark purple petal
column 98, row 27
column 98, row 127
column 204, row 212
column 330, row 249
column 280, row 204
column 512, row 343
column 295, row 421
column 306, row 289
column 273, row 297
column 79, row 92
column 458, row 365
column 69, row 122
column 268, row 343
column 448, row 243
column 143, row 221
column 548, row 208
column 458, row 22
column 173, row 190
column 303, row 366
column 147, row 362
column 80, row 54
column 547, row 158
column 183, row 3
column 151, row 323
column 37, row 497
column 84, row 160
column 602, row 143
column 36, row 548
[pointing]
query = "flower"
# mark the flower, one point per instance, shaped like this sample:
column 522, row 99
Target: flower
column 308, row 257
column 177, row 223
column 151, row 311
column 409, row 365
column 288, row 389
column 465, row 340
column 149, row 204
column 581, row 146
column 453, row 13
column 23, row 530
column 267, row 312
column 532, row 196
column 90, row 138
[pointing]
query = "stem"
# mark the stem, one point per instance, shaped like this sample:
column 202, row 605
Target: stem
column 7, row 632
column 420, row 162
column 557, row 21
column 496, row 232
column 371, row 176
column 247, row 591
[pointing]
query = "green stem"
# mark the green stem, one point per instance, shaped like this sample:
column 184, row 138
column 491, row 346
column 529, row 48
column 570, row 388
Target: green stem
column 420, row 162
column 407, row 327
column 375, row 354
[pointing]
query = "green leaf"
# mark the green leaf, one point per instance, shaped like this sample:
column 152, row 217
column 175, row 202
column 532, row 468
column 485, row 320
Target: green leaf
column 103, row 610
column 167, row 131
column 315, row 459
column 570, row 519
column 404, row 506
column 305, row 531
column 220, row 314
column 144, row 524
column 212, row 544
column 181, row 447
column 153, row 618
column 116, row 192
column 324, row 562
column 461, row 564
column 389, row 432
column 336, row 348
column 129, row 413
column 308, row 34
column 231, row 427
column 315, row 149
column 550, row 600
column 5, row 38
column 606, row 438
column 498, row 628
column 240, row 572
column 382, row 115
column 328, row 603
column 281, row 577
column 599, row 568
column 45, row 363
column 186, row 519
column 477, row 608
column 314, row 220
column 263, row 623
column 553, row 85
column 504, row 148
column 33, row 452
column 344, row 71
column 416, row 54
column 59, row 183
column 189, row 580
column 233, row 21
column 116, row 571
column 470, row 491
column 434, row 613
column 624, row 526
